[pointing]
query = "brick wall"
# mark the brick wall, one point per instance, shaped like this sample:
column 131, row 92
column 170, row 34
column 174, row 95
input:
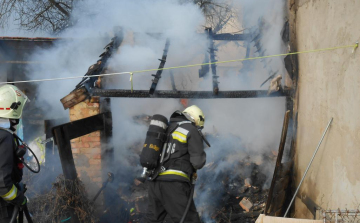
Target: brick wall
column 87, row 149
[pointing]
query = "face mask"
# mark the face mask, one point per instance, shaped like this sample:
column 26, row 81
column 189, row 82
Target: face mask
column 4, row 123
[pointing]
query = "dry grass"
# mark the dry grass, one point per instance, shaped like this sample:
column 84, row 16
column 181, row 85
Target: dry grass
column 65, row 196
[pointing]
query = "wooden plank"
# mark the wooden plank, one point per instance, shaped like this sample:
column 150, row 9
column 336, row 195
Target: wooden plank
column 81, row 127
column 278, row 160
column 65, row 153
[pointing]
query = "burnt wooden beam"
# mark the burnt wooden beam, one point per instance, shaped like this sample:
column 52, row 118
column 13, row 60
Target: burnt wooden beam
column 185, row 94
column 88, row 81
column 278, row 161
column 62, row 140
column 173, row 86
column 215, row 81
column 157, row 76
column 64, row 133
column 107, row 148
column 231, row 37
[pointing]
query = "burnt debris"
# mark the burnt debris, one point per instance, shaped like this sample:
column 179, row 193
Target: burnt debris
column 157, row 76
column 89, row 82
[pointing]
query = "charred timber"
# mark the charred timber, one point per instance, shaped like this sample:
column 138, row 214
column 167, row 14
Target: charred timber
column 100, row 65
column 231, row 37
column 215, row 81
column 186, row 94
column 157, row 76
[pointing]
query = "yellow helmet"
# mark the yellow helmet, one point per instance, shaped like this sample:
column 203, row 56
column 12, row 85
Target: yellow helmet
column 12, row 102
column 194, row 114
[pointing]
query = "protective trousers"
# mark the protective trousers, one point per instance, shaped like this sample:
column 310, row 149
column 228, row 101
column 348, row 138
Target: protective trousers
column 6, row 213
column 170, row 198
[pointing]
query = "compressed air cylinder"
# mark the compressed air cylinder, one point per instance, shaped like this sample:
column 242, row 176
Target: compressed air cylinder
column 155, row 139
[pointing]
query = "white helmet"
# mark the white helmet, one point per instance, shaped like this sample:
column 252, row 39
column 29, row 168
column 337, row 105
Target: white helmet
column 12, row 102
column 194, row 114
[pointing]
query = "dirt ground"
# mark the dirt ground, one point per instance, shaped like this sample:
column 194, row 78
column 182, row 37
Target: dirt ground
column 328, row 86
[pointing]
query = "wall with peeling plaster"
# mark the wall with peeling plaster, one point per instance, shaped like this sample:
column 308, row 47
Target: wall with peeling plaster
column 329, row 85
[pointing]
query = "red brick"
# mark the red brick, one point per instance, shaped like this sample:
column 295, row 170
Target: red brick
column 75, row 140
column 85, row 151
column 95, row 144
column 97, row 133
column 75, row 151
column 80, row 145
column 246, row 204
column 97, row 156
column 90, row 139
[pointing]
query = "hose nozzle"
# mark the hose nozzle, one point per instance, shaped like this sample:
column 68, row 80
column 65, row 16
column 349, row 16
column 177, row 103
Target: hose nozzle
column 144, row 173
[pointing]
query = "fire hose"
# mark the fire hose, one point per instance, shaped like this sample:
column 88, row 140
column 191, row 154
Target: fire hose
column 193, row 180
column 20, row 211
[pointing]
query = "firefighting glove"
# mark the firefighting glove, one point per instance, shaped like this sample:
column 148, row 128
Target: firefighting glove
column 20, row 200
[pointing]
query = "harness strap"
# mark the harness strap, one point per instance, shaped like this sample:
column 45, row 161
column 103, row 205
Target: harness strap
column 164, row 159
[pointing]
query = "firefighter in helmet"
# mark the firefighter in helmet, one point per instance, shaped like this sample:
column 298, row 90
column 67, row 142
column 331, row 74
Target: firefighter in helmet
column 169, row 192
column 12, row 101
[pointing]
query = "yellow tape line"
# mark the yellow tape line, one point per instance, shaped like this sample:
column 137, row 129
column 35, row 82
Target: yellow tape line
column 251, row 58
column 354, row 46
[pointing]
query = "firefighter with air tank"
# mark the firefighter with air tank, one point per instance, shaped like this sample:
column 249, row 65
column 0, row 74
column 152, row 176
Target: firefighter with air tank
column 12, row 101
column 171, row 155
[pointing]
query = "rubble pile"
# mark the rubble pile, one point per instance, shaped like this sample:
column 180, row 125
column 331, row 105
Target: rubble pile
column 236, row 195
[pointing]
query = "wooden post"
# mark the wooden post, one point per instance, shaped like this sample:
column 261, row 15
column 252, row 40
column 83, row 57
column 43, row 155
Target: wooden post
column 278, row 160
column 65, row 153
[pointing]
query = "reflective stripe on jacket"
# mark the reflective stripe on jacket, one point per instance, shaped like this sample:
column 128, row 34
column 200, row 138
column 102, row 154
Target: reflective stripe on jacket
column 10, row 174
column 186, row 150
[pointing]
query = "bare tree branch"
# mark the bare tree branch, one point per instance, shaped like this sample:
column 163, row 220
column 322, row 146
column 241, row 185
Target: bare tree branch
column 58, row 6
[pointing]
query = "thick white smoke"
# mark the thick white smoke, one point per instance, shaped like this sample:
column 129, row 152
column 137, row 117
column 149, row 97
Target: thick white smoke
column 244, row 125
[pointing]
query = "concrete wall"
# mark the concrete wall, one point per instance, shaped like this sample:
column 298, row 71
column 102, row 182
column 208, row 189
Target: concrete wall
column 329, row 84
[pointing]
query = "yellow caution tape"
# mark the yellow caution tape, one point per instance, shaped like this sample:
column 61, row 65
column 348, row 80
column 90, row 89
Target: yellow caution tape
column 251, row 58
column 354, row 46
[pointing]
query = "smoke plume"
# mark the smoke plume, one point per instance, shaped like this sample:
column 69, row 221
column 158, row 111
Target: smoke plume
column 243, row 126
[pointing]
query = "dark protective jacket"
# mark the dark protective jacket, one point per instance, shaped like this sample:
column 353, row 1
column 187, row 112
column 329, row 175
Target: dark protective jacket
column 10, row 173
column 185, row 148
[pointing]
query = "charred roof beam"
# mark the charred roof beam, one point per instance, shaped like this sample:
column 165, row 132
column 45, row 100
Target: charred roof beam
column 231, row 37
column 186, row 94
column 212, row 49
column 157, row 76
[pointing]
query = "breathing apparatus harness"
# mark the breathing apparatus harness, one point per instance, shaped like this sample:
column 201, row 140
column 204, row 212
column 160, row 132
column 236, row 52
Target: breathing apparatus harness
column 157, row 150
column 20, row 150
column 152, row 157
column 160, row 140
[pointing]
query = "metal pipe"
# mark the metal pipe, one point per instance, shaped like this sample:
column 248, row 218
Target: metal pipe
column 308, row 167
